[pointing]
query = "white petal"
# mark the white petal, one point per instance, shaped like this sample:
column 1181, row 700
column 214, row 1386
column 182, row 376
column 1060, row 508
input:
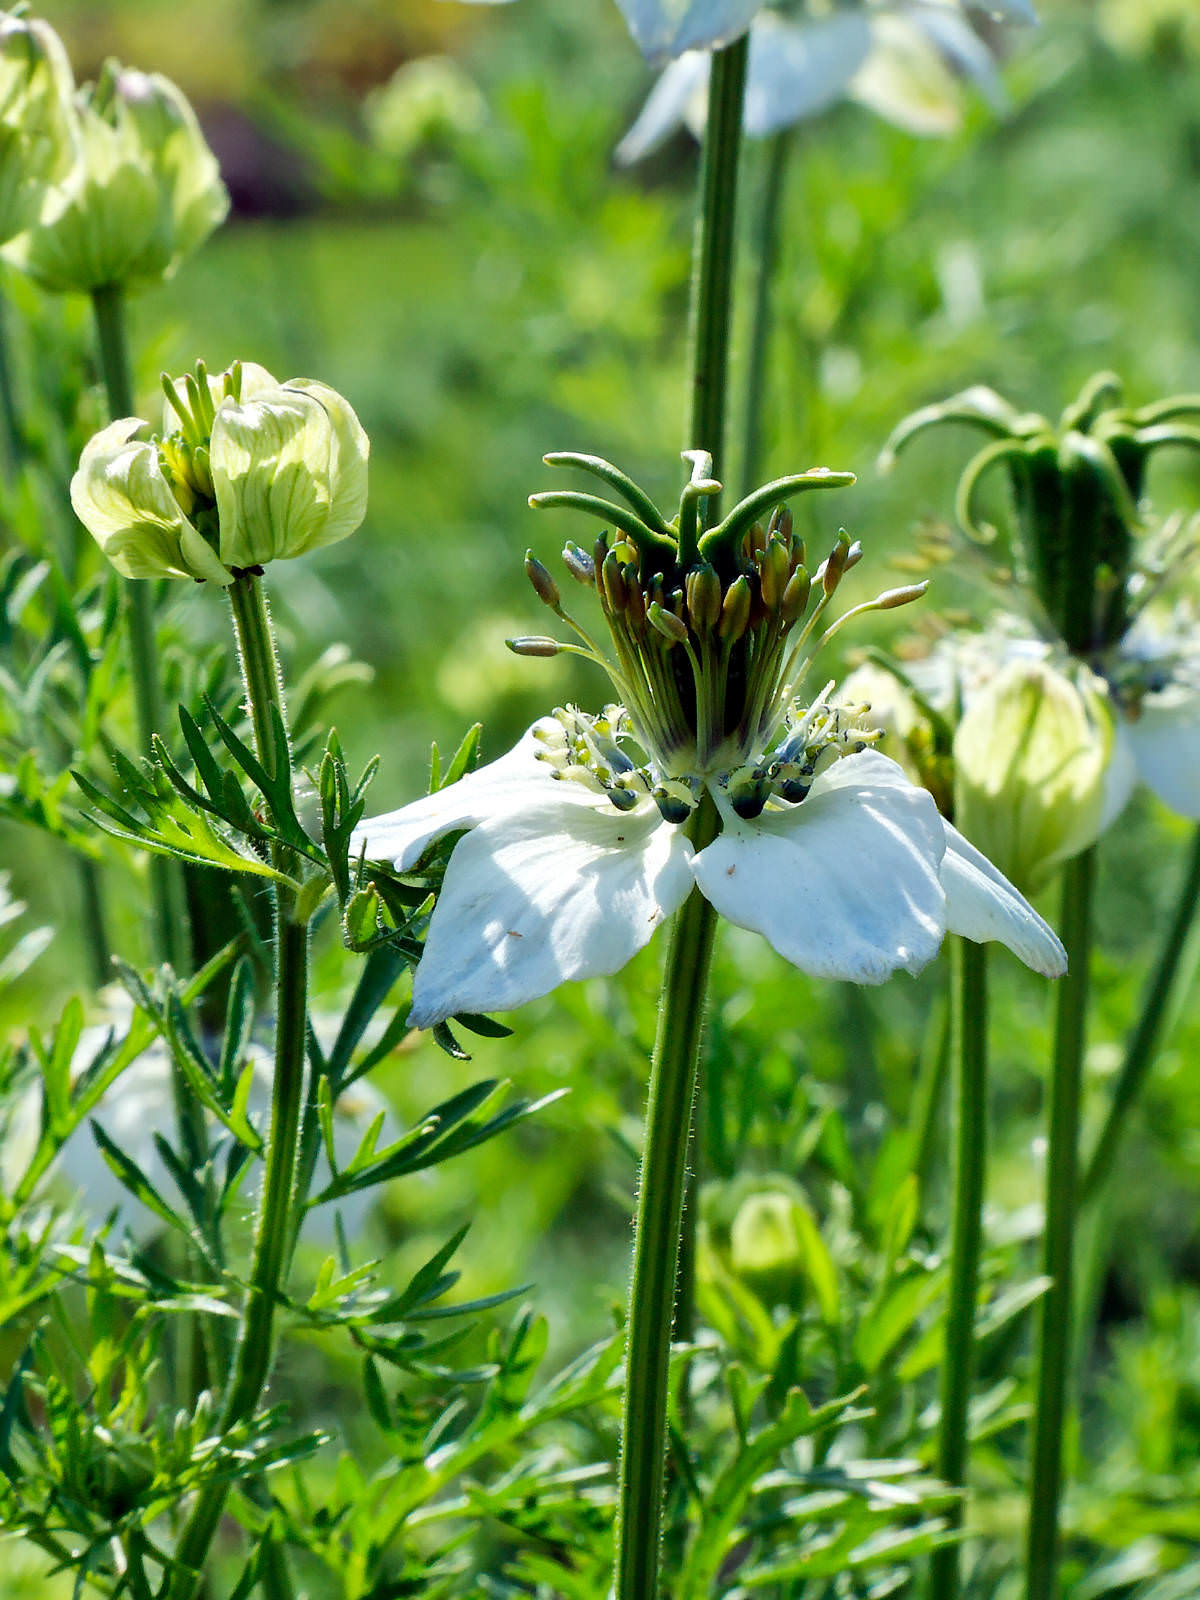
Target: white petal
column 797, row 70
column 566, row 888
column 1165, row 741
column 906, row 81
column 664, row 28
column 667, row 106
column 844, row 885
column 982, row 905
column 963, row 49
column 1120, row 776
column 516, row 779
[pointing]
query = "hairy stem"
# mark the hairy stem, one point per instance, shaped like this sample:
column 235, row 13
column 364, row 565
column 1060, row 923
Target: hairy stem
column 766, row 259
column 1147, row 1035
column 166, row 877
column 1054, row 1335
column 255, row 1351
column 970, row 1006
column 673, row 1072
column 712, row 257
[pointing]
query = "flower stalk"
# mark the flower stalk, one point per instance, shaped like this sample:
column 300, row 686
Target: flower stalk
column 712, row 288
column 969, row 1024
column 170, row 905
column 673, row 1074
column 1054, row 1327
column 255, row 1351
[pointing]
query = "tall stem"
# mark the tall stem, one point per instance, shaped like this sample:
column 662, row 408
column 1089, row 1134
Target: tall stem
column 970, row 1001
column 1054, row 1314
column 712, row 258
column 10, row 417
column 766, row 259
column 255, row 1351
column 673, row 1072
column 166, row 878
column 1144, row 1042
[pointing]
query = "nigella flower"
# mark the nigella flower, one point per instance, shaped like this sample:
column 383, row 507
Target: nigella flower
column 1081, row 553
column 711, row 773
column 903, row 61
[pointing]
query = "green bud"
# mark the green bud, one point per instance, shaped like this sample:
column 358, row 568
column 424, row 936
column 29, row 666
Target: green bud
column 232, row 482
column 142, row 191
column 1031, row 754
column 795, row 595
column 735, row 610
column 35, row 97
column 289, row 468
column 123, row 498
column 764, row 1244
column 703, row 589
column 544, row 585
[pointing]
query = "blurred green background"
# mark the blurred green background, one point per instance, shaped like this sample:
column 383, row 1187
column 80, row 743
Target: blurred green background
column 468, row 265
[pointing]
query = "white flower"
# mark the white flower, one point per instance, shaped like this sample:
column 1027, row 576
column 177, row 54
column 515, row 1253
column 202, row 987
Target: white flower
column 553, row 882
column 902, row 61
column 140, row 1106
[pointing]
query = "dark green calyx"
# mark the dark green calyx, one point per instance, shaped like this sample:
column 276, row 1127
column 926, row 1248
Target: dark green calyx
column 1076, row 488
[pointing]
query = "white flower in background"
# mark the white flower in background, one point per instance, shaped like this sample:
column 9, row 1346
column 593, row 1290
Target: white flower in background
column 903, row 61
column 140, row 1104
column 666, row 29
column 576, row 852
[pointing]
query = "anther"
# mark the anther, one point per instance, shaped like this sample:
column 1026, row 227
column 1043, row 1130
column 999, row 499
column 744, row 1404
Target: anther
column 671, row 627
column 544, row 585
column 614, row 582
column 795, row 595
column 532, row 646
column 774, row 573
column 735, row 610
column 578, row 563
column 703, row 589
column 834, row 565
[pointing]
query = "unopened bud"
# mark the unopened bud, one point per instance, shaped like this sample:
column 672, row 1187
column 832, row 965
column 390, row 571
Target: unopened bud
column 795, row 596
column 735, row 610
column 578, row 563
column 614, row 582
column 1031, row 756
column 533, row 645
column 835, row 564
column 781, row 524
column 703, row 597
column 891, row 598
column 544, row 585
column 668, row 625
column 774, row 573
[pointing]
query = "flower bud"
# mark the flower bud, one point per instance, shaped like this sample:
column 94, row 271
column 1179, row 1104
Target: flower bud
column 247, row 470
column 765, row 1249
column 142, row 191
column 1031, row 754
column 122, row 496
column 289, row 468
column 35, row 96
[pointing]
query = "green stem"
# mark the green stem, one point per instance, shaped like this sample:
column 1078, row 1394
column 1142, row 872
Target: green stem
column 925, row 1112
column 255, row 1351
column 10, row 419
column 765, row 250
column 170, row 903
column 1062, row 1156
column 1143, row 1045
column 673, row 1072
column 970, row 1161
column 712, row 278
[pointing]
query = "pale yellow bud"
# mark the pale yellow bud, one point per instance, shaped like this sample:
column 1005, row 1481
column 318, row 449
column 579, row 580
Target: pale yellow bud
column 142, row 190
column 1031, row 754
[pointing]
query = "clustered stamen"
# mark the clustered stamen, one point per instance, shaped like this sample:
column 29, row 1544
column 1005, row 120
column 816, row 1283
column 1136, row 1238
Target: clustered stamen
column 712, row 633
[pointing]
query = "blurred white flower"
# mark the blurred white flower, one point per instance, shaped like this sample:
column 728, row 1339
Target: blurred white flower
column 904, row 61
column 140, row 1105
